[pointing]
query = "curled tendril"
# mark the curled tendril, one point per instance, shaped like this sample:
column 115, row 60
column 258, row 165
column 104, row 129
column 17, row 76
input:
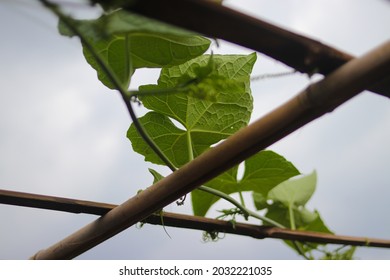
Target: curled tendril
column 213, row 236
column 181, row 201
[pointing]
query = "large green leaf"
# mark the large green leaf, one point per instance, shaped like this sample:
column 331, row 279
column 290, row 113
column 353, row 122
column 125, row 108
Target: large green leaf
column 204, row 122
column 262, row 172
column 128, row 41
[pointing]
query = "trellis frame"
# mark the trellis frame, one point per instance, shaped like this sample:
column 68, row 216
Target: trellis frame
column 306, row 56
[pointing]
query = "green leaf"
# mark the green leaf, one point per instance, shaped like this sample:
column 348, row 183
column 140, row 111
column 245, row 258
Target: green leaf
column 262, row 172
column 302, row 216
column 295, row 191
column 157, row 176
column 292, row 194
column 203, row 122
column 304, row 220
column 259, row 200
column 289, row 199
column 341, row 254
column 128, row 41
column 317, row 225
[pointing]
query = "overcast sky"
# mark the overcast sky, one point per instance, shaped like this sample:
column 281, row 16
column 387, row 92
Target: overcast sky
column 62, row 133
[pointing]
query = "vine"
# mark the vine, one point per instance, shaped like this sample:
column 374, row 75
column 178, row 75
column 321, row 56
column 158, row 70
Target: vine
column 210, row 96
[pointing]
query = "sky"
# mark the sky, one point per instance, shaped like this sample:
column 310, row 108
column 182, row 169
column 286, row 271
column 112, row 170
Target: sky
column 62, row 133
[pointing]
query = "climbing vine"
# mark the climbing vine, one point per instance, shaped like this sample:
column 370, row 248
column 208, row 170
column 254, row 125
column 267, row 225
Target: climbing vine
column 209, row 96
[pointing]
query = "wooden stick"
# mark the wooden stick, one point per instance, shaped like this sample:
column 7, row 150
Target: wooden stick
column 185, row 221
column 313, row 102
column 54, row 203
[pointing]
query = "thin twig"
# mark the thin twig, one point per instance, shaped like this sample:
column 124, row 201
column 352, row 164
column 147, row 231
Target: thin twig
column 272, row 75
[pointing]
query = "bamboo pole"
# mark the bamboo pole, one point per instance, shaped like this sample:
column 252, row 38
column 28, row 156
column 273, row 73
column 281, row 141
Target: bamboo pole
column 185, row 221
column 301, row 53
column 316, row 100
column 54, row 203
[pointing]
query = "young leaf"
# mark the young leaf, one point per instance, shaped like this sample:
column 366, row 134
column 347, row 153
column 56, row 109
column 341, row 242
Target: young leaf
column 128, row 41
column 157, row 176
column 304, row 220
column 262, row 172
column 295, row 191
column 204, row 122
column 259, row 200
column 317, row 225
column 292, row 195
column 289, row 199
column 341, row 254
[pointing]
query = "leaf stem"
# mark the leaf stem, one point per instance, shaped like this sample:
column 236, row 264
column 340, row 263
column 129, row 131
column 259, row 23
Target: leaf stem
column 297, row 245
column 245, row 211
column 189, row 146
column 136, row 93
column 291, row 215
column 242, row 199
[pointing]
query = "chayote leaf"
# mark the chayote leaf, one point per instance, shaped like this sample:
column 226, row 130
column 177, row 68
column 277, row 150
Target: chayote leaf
column 289, row 198
column 127, row 41
column 304, row 220
column 292, row 195
column 156, row 176
column 259, row 200
column 203, row 122
column 294, row 192
column 263, row 171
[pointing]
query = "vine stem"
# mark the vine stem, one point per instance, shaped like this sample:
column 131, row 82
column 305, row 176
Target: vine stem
column 241, row 198
column 273, row 75
column 127, row 100
column 113, row 79
column 297, row 246
column 246, row 211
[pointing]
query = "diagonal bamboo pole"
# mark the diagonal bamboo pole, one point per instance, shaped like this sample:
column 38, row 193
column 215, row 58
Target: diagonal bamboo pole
column 313, row 102
column 186, row 221
column 299, row 52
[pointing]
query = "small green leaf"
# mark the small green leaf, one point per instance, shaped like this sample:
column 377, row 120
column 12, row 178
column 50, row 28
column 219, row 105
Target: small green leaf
column 295, row 191
column 170, row 139
column 304, row 216
column 263, row 171
column 259, row 200
column 317, row 225
column 304, row 220
column 157, row 176
column 278, row 213
column 339, row 254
